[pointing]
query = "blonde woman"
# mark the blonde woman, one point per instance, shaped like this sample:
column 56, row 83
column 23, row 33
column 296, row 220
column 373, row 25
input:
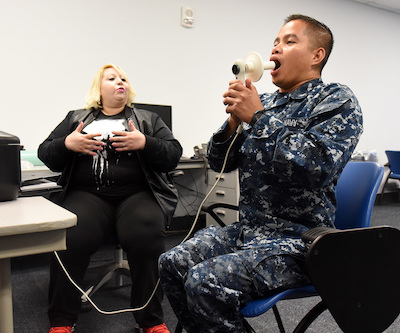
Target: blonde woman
column 114, row 161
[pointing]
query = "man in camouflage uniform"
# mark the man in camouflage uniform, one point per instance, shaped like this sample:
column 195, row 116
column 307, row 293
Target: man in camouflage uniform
column 289, row 155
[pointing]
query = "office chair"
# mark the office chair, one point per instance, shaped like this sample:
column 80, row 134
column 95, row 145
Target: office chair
column 114, row 270
column 394, row 165
column 356, row 193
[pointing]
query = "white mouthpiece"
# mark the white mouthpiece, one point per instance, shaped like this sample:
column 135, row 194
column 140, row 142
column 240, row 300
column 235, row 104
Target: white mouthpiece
column 269, row 65
column 255, row 66
column 252, row 67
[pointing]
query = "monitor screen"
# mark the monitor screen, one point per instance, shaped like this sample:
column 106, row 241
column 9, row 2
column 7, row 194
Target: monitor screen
column 164, row 111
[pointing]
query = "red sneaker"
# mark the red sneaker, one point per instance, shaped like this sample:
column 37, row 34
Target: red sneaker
column 157, row 329
column 61, row 329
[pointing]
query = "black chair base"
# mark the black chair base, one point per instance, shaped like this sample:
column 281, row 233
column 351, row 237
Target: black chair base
column 114, row 271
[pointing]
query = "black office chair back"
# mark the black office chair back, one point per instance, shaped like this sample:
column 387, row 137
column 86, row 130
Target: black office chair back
column 357, row 272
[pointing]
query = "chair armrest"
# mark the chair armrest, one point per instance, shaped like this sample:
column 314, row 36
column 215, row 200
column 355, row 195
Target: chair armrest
column 313, row 234
column 176, row 173
column 210, row 210
column 356, row 273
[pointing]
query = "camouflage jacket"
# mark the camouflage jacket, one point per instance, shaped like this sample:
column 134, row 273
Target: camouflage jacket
column 289, row 158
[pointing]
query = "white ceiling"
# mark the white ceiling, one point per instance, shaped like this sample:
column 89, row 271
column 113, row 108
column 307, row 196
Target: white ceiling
column 391, row 5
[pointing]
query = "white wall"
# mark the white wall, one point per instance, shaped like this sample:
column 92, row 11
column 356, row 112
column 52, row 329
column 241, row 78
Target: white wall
column 51, row 50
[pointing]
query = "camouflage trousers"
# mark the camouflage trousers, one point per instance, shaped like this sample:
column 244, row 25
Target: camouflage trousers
column 208, row 279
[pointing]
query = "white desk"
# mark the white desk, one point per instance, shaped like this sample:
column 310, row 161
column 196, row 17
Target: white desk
column 29, row 225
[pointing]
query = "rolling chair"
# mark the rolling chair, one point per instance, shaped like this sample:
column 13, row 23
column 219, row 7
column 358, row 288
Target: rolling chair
column 394, row 165
column 347, row 285
column 114, row 270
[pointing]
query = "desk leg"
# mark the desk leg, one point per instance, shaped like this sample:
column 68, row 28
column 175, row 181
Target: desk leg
column 6, row 309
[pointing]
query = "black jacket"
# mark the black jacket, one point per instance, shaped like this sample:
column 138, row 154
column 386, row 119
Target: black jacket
column 160, row 155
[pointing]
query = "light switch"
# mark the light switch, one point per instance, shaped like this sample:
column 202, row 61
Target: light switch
column 187, row 17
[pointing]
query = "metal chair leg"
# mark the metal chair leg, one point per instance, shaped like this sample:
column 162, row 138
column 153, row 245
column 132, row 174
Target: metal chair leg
column 278, row 319
column 248, row 327
column 310, row 317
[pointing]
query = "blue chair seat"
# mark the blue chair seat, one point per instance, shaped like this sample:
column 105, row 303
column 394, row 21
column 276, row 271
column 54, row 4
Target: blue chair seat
column 395, row 175
column 260, row 306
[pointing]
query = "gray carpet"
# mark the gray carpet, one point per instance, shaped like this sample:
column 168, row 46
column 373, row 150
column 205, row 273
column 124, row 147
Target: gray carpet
column 30, row 282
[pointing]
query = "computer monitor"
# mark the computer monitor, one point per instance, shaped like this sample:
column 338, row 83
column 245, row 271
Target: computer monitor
column 164, row 111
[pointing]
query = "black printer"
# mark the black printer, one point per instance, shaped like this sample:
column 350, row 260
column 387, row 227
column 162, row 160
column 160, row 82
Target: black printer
column 10, row 166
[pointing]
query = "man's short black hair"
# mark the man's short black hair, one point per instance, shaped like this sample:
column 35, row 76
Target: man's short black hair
column 319, row 34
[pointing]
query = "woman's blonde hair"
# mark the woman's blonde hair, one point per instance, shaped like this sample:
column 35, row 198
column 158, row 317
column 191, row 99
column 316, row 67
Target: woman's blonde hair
column 93, row 99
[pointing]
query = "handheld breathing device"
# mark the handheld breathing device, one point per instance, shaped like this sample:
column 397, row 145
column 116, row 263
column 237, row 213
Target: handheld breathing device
column 253, row 68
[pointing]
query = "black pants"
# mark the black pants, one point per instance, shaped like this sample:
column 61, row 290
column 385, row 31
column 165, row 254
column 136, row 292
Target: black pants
column 138, row 222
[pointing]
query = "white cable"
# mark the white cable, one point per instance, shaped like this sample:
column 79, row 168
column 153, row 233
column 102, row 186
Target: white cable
column 213, row 187
column 91, row 302
column 158, row 281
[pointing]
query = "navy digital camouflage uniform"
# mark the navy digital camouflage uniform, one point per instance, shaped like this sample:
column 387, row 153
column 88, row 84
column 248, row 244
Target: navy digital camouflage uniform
column 289, row 159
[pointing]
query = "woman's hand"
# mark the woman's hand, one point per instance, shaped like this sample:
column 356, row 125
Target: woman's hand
column 124, row 141
column 83, row 143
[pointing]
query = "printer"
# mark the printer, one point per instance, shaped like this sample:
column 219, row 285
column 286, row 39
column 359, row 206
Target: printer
column 10, row 166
